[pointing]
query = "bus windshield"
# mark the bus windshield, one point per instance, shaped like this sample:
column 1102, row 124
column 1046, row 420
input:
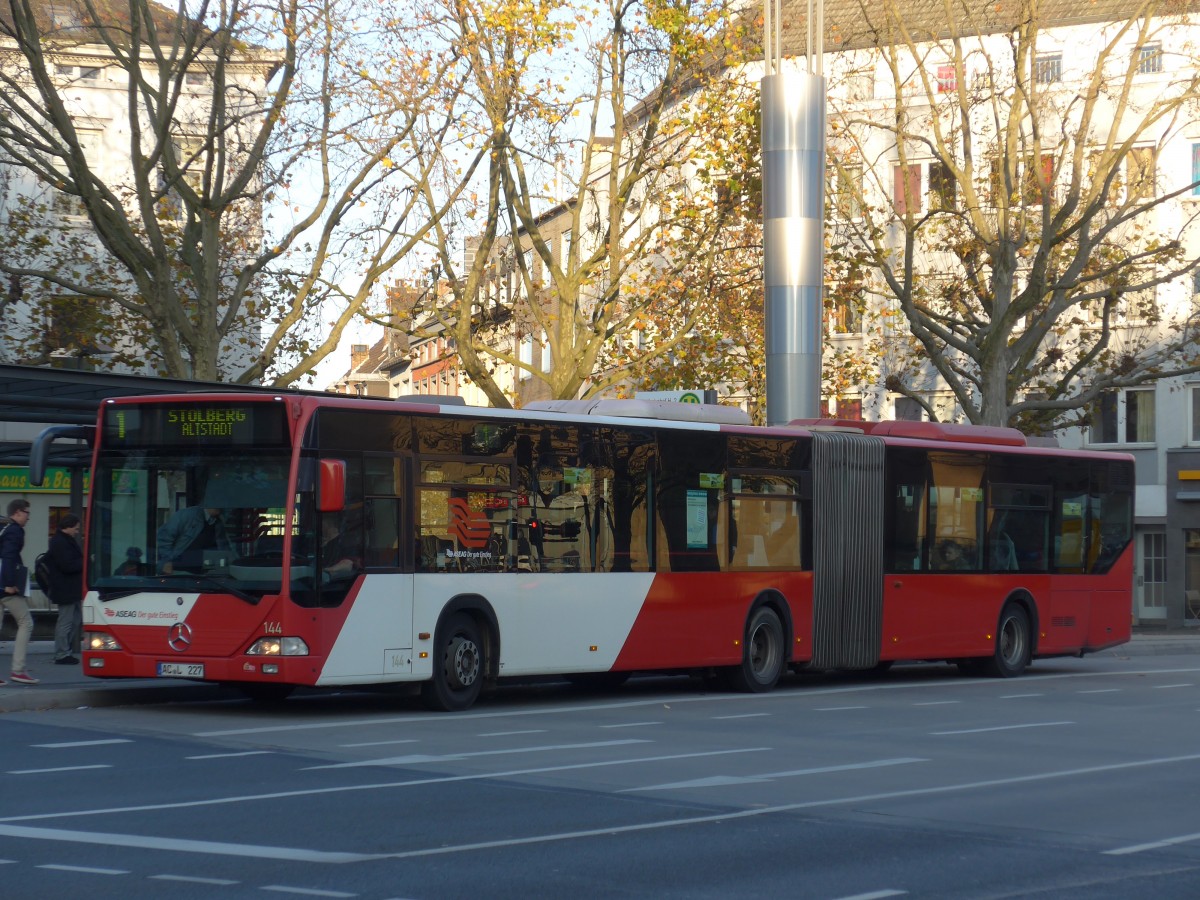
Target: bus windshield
column 197, row 520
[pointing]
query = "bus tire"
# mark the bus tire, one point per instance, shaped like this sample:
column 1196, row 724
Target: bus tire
column 1013, row 644
column 763, row 654
column 458, row 666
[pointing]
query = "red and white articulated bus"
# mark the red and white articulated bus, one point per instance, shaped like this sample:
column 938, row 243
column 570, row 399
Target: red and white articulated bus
column 274, row 541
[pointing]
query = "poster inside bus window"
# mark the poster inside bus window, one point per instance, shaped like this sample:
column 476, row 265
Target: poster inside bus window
column 196, row 424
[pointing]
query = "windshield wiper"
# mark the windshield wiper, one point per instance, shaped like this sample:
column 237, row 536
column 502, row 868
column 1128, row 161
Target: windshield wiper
column 220, row 582
column 172, row 582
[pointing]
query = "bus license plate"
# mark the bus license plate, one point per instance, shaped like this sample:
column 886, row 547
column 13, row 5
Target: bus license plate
column 181, row 670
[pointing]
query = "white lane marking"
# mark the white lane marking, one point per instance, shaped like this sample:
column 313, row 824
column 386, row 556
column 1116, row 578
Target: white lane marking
column 56, row 769
column 776, row 697
column 194, row 879
column 788, row 808
column 875, row 895
column 63, row 744
column 836, row 708
column 743, row 716
column 380, row 743
column 1003, row 728
column 512, row 733
column 321, row 856
column 722, row 780
column 1101, row 691
column 1163, row 687
column 416, row 782
column 1153, row 845
column 1019, row 696
column 88, row 870
column 631, row 724
column 306, row 892
column 420, row 758
column 231, row 755
column 937, row 703
column 216, row 848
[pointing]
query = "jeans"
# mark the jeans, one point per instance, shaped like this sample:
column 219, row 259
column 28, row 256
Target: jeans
column 18, row 605
column 68, row 629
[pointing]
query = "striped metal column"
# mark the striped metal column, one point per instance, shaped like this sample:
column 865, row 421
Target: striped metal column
column 793, row 174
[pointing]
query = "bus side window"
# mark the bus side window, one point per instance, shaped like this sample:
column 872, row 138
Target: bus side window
column 956, row 510
column 908, row 479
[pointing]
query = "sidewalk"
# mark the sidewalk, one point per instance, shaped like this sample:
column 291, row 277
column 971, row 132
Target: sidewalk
column 66, row 686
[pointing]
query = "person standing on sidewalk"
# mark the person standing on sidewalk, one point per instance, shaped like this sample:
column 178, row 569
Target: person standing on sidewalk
column 64, row 559
column 12, row 542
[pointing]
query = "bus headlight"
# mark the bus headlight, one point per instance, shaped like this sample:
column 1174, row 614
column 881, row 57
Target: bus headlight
column 97, row 640
column 284, row 646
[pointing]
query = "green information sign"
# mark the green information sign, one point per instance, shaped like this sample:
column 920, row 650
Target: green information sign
column 15, row 480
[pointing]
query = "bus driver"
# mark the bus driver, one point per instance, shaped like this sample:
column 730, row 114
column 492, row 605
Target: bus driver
column 184, row 537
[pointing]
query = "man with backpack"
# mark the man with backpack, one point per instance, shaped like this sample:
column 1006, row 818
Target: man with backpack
column 63, row 564
column 14, row 582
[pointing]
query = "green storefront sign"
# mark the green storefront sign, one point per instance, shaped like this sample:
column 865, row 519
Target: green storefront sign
column 15, row 480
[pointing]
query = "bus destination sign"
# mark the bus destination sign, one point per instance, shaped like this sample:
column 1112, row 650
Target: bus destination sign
column 195, row 424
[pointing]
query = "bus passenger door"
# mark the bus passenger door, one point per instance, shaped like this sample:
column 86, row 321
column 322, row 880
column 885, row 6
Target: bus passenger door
column 375, row 639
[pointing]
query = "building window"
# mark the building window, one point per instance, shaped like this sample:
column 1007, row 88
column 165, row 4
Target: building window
column 908, row 410
column 564, row 246
column 1194, row 409
column 942, row 186
column 947, row 80
column 847, row 192
column 1154, row 569
column 525, row 355
column 547, row 361
column 73, row 325
column 1141, row 172
column 861, row 85
column 1124, row 417
column 1150, row 59
column 1038, row 179
column 849, row 408
column 845, row 317
column 1196, row 170
column 79, row 73
column 1191, row 573
column 907, row 182
column 1047, row 69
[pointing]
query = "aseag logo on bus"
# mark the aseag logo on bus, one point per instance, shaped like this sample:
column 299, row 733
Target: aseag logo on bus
column 469, row 526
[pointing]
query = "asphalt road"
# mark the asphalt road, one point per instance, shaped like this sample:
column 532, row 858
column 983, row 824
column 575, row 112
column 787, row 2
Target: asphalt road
column 1077, row 780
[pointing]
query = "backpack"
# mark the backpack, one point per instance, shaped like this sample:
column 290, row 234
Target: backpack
column 41, row 568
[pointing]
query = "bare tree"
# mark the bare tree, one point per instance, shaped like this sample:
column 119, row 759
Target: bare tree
column 580, row 234
column 257, row 191
column 1008, row 205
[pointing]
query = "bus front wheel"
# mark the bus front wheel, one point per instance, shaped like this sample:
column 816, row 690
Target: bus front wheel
column 458, row 666
column 1013, row 644
column 763, row 656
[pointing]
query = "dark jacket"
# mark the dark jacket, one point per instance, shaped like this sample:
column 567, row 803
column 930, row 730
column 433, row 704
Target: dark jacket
column 64, row 558
column 12, row 541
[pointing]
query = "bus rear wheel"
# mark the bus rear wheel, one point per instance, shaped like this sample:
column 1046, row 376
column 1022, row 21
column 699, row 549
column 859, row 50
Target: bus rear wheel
column 458, row 666
column 1013, row 644
column 763, row 656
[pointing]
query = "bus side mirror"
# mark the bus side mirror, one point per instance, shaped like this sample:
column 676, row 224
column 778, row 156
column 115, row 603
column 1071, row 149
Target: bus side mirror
column 331, row 486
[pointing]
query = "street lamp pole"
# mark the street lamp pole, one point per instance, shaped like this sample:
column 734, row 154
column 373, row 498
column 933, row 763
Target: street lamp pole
column 793, row 176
